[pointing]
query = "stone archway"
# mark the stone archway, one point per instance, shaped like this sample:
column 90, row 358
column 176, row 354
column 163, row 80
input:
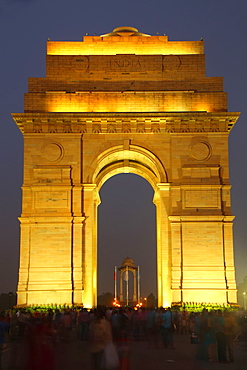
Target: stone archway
column 126, row 101
column 140, row 161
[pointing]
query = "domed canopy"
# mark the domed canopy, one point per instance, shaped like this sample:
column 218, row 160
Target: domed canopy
column 128, row 262
column 125, row 31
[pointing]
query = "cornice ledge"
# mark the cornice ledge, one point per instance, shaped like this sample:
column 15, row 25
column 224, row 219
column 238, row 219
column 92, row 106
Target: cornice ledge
column 158, row 122
column 201, row 218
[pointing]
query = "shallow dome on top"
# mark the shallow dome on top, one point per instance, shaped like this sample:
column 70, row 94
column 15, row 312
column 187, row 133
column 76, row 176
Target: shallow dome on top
column 125, row 31
column 128, row 262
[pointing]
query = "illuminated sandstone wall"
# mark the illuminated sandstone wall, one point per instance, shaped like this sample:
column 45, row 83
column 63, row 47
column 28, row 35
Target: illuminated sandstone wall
column 126, row 102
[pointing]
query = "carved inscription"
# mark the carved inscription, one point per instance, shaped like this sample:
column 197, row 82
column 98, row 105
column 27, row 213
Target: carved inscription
column 125, row 63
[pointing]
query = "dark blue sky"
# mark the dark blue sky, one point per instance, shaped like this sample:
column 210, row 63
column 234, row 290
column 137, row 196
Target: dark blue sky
column 25, row 26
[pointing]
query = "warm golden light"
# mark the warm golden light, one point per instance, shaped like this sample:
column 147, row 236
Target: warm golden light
column 138, row 305
column 116, row 303
column 126, row 102
column 132, row 102
column 96, row 45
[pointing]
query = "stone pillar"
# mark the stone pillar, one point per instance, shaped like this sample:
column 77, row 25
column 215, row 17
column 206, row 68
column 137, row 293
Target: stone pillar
column 161, row 200
column 90, row 204
column 24, row 261
column 78, row 281
column 177, row 261
column 229, row 260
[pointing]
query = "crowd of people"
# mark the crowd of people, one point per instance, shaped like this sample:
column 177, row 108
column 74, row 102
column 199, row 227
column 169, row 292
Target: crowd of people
column 110, row 329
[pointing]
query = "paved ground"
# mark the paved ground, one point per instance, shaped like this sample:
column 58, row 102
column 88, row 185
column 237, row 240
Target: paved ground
column 75, row 354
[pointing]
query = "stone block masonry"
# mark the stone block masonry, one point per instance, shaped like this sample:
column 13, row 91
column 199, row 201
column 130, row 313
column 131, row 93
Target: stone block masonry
column 126, row 102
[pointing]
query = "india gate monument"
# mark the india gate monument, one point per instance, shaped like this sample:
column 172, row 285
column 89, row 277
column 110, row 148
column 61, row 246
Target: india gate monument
column 126, row 102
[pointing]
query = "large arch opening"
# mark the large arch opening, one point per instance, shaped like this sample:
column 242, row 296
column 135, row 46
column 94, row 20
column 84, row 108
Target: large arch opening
column 130, row 159
column 127, row 227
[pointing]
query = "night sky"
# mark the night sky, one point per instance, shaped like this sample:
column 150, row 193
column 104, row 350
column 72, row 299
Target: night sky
column 126, row 214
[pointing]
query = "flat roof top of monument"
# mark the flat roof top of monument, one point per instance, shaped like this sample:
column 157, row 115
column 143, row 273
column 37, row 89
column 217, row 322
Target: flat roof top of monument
column 125, row 40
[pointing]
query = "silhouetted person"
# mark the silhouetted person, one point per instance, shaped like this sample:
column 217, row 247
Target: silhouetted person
column 219, row 325
column 3, row 330
column 99, row 335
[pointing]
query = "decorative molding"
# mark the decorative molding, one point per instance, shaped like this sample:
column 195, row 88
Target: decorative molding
column 170, row 127
column 171, row 63
column 52, row 128
column 126, row 128
column 200, row 150
column 214, row 126
column 96, row 129
column 184, row 127
column 155, row 128
column 140, row 127
column 67, row 128
column 37, row 128
column 81, row 123
column 111, row 128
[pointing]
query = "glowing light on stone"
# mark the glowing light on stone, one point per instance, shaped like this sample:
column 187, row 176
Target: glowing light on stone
column 126, row 102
